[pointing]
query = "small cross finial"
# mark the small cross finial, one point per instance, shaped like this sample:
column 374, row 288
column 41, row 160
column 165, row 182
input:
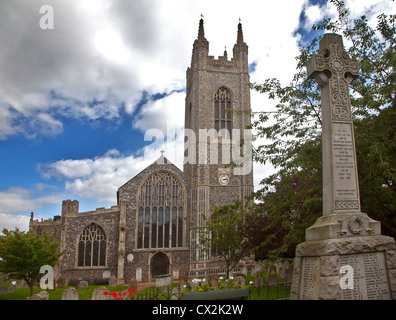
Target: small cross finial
column 240, row 20
column 202, row 16
column 162, row 153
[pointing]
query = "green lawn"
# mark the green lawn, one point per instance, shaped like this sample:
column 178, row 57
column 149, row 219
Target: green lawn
column 85, row 294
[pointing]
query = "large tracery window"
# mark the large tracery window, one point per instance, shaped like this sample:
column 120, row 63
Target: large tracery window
column 92, row 247
column 222, row 109
column 160, row 212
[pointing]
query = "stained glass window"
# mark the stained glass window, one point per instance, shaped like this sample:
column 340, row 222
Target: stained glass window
column 161, row 199
column 92, row 247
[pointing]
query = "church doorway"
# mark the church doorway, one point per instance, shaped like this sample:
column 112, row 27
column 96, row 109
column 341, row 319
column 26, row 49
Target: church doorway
column 159, row 265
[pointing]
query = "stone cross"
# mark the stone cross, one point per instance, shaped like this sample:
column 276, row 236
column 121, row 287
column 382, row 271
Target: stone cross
column 333, row 70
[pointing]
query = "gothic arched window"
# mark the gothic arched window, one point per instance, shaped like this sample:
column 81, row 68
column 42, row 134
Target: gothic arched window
column 160, row 211
column 222, row 109
column 92, row 247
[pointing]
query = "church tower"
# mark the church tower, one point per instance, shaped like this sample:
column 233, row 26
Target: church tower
column 217, row 113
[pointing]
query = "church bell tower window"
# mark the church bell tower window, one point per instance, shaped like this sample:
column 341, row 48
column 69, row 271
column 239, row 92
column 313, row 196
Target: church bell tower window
column 222, row 109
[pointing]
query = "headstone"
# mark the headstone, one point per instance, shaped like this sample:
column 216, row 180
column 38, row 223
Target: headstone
column 344, row 255
column 214, row 283
column 3, row 290
column 282, row 270
column 175, row 274
column 112, row 281
column 272, row 279
column 70, row 294
column 35, row 297
column 272, row 270
column 139, row 274
column 259, row 281
column 163, row 281
column 61, row 282
column 99, row 294
column 11, row 288
column 289, row 274
column 240, row 281
column 82, row 284
column 133, row 284
column 43, row 295
column 3, row 277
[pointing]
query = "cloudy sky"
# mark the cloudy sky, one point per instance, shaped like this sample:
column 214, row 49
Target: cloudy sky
column 77, row 102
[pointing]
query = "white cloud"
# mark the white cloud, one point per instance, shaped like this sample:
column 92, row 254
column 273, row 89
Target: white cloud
column 12, row 221
column 165, row 114
column 97, row 178
column 18, row 200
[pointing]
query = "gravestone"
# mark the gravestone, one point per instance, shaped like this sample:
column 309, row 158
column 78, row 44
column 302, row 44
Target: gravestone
column 133, row 284
column 272, row 279
column 83, row 284
column 259, row 281
column 112, row 281
column 214, row 283
column 139, row 274
column 163, row 280
column 70, row 294
column 3, row 290
column 42, row 295
column 98, row 294
column 61, row 282
column 240, row 281
column 11, row 288
column 344, row 255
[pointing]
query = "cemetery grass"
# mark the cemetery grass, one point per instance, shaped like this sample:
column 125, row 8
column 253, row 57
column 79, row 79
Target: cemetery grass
column 84, row 294
column 264, row 293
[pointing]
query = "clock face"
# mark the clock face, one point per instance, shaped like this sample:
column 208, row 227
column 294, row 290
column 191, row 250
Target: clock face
column 224, row 179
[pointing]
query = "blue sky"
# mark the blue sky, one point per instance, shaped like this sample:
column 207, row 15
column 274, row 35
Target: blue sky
column 76, row 101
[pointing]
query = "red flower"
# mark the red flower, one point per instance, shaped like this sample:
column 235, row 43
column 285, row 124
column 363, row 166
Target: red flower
column 129, row 289
column 105, row 293
column 130, row 293
column 114, row 294
column 124, row 294
column 119, row 298
column 135, row 290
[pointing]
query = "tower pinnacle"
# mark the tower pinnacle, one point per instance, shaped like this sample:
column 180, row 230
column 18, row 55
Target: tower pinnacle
column 240, row 33
column 201, row 33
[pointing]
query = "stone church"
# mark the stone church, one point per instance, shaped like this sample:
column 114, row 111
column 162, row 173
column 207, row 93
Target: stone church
column 152, row 229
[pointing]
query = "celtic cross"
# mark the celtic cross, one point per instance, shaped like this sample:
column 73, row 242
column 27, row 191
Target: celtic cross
column 333, row 70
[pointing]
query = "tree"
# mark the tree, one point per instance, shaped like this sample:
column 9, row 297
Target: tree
column 24, row 253
column 225, row 234
column 292, row 196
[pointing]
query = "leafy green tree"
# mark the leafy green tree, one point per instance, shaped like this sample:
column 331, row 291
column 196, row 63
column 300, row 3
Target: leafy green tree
column 225, row 234
column 292, row 196
column 24, row 253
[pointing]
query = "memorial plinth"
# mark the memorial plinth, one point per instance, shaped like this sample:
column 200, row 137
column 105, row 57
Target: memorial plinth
column 344, row 242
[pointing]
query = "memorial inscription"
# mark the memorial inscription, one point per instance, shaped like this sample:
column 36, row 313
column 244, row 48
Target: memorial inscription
column 310, row 277
column 344, row 166
column 369, row 277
